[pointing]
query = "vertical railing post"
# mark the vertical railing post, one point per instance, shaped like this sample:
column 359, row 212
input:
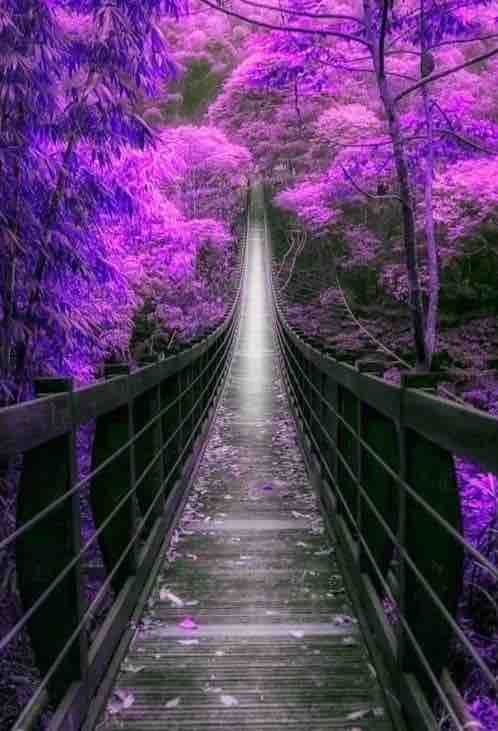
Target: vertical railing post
column 347, row 446
column 170, row 390
column 380, row 433
column 109, row 486
column 203, row 379
column 359, row 473
column 182, row 411
column 362, row 366
column 145, row 409
column 77, row 543
column 197, row 369
column 330, row 393
column 430, row 472
column 160, row 443
column 322, row 442
column 400, row 567
column 49, row 471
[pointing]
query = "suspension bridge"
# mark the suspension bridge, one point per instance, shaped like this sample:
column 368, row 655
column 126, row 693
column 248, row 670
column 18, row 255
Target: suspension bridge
column 280, row 533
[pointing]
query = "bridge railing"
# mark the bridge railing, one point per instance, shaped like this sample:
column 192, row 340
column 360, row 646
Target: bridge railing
column 150, row 427
column 381, row 459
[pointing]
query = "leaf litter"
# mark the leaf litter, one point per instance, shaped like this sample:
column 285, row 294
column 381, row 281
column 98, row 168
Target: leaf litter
column 123, row 701
column 229, row 700
column 188, row 623
column 173, row 703
column 167, row 595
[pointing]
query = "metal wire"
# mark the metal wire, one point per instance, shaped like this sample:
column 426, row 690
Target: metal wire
column 402, row 483
column 105, row 463
column 304, row 406
column 106, row 583
column 402, row 550
column 53, row 585
column 227, row 339
column 225, row 343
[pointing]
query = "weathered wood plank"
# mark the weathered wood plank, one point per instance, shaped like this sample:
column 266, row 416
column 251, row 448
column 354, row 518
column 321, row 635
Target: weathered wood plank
column 276, row 644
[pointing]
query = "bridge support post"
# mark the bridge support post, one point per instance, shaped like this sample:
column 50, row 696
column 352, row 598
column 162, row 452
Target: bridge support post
column 109, row 486
column 347, row 466
column 438, row 558
column 43, row 552
column 380, row 434
column 171, row 389
column 145, row 408
column 330, row 393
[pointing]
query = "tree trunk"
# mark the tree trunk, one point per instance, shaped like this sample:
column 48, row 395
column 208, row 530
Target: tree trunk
column 25, row 349
column 408, row 217
column 432, row 254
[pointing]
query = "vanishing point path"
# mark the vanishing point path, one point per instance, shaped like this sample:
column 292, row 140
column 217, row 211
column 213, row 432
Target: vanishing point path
column 273, row 642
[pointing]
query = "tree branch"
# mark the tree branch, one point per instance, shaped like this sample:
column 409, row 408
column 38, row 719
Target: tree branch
column 302, row 13
column 447, row 72
column 467, row 142
column 302, row 237
column 464, row 40
column 287, row 28
column 391, row 196
column 382, row 39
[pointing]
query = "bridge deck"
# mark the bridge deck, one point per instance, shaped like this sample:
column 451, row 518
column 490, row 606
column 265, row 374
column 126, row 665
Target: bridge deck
column 276, row 644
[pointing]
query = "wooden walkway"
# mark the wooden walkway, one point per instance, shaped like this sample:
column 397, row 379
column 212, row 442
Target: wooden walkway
column 249, row 625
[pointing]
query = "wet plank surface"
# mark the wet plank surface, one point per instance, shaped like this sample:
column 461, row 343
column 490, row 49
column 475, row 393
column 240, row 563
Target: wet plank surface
column 269, row 640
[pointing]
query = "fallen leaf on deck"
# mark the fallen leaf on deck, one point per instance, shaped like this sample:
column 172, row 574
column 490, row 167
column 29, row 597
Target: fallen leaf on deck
column 188, row 623
column 133, row 668
column 166, row 595
column 127, row 699
column 229, row 700
column 188, row 642
column 356, row 715
column 297, row 634
column 173, row 703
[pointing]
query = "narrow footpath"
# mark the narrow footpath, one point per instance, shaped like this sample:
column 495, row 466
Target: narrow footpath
column 249, row 625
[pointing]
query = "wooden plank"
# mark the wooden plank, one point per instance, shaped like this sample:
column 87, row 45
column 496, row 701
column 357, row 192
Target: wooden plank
column 30, row 424
column 462, row 430
column 27, row 425
column 277, row 643
column 104, row 654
